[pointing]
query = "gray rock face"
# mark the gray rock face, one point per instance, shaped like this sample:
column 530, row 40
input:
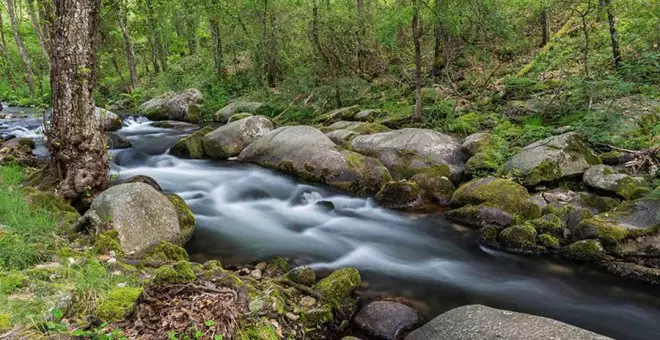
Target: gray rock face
column 340, row 137
column 116, row 141
column 231, row 109
column 477, row 322
column 386, row 320
column 367, row 115
column 363, row 128
column 406, row 152
column 476, row 142
column 142, row 216
column 402, row 194
column 229, row 140
column 637, row 215
column 345, row 113
column 605, row 178
column 306, row 152
column 552, row 159
column 109, row 120
column 184, row 106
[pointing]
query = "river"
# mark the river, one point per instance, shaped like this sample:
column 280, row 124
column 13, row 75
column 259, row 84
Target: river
column 246, row 213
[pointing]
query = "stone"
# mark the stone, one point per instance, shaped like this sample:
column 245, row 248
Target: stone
column 368, row 115
column 361, row 128
column 141, row 179
column 401, row 195
column 518, row 238
column 482, row 163
column 387, row 320
column 229, row 140
column 256, row 274
column 183, row 106
column 480, row 216
column 109, row 120
column 344, row 113
column 191, row 146
column 306, row 152
column 499, row 193
column 407, row 152
column 238, row 117
column 302, row 275
column 233, row 108
column 141, row 216
column 478, row 322
column 437, row 189
column 117, row 141
column 341, row 137
column 340, row 284
column 307, row 301
column 584, row 250
column 552, row 159
column 605, row 178
column 476, row 142
column 292, row 316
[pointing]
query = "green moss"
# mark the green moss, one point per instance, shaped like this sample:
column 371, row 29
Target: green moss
column 191, row 146
column 488, row 236
column 11, row 281
column 400, row 195
column 5, row 322
column 545, row 172
column 166, row 251
column 106, row 242
column 369, row 128
column 585, row 250
column 277, row 266
column 436, row 188
column 238, row 117
column 518, row 237
column 466, row 124
column 548, row 241
column 629, row 188
column 262, row 330
column 29, row 142
column 316, row 317
column 179, row 272
column 497, row 192
column 549, row 224
column 187, row 220
column 482, row 163
column 340, row 284
column 118, row 302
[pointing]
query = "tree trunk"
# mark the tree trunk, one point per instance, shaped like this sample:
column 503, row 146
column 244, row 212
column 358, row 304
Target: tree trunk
column 217, row 46
column 438, row 57
column 74, row 136
column 38, row 30
column 545, row 26
column 417, row 32
column 585, row 55
column 153, row 39
column 5, row 58
column 130, row 54
column 616, row 54
column 19, row 43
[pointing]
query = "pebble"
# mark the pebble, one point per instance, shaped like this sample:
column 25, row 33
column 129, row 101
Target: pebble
column 122, row 285
column 112, row 260
column 292, row 316
column 308, row 301
column 112, row 253
column 256, row 274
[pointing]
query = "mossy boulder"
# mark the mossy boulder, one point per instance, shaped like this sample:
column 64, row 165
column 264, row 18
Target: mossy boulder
column 187, row 222
column 66, row 214
column 317, row 316
column 339, row 285
column 117, row 141
column 229, row 140
column 277, row 266
column 551, row 159
column 141, row 179
column 344, row 113
column 584, row 250
column 488, row 236
column 437, row 189
column 361, row 128
column 368, row 115
column 401, row 195
column 109, row 120
column 239, row 116
column 180, row 272
column 549, row 224
column 165, row 252
column 605, row 179
column 182, row 106
column 548, row 241
column 477, row 216
column 342, row 137
column 191, row 146
column 519, row 237
column 482, row 163
column 119, row 302
column 497, row 192
column 574, row 207
column 233, row 108
column 477, row 142
column 302, row 275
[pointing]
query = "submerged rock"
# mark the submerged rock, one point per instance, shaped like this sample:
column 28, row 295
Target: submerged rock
column 223, row 115
column 306, row 152
column 605, row 178
column 387, row 320
column 552, row 159
column 183, row 106
column 229, row 140
column 407, row 152
column 477, row 322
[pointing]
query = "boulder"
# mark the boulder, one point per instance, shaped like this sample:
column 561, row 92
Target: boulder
column 117, row 141
column 518, row 238
column 141, row 216
column 477, row 322
column 573, row 207
column 340, row 284
column 402, row 194
column 233, row 108
column 142, row 179
column 485, row 162
column 191, row 146
column 604, row 178
column 109, row 120
column 306, row 152
column 551, row 159
column 407, row 152
column 341, row 137
column 368, row 115
column 239, row 116
column 344, row 113
column 476, row 142
column 362, row 128
column 387, row 320
column 499, row 193
column 229, row 140
column 437, row 189
column 302, row 275
column 480, row 216
column 183, row 106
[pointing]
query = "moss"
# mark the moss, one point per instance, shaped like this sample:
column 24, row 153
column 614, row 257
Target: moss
column 5, row 322
column 435, row 188
column 545, row 172
column 118, row 302
column 238, row 117
column 488, row 236
column 106, row 242
column 400, row 195
column 630, row 188
column 340, row 284
column 518, row 237
column 316, row 317
column 482, row 163
column 480, row 215
column 548, row 241
column 497, row 192
column 26, row 142
column 179, row 272
column 11, row 281
column 611, row 158
column 277, row 266
column 191, row 146
column 187, row 220
column 601, row 228
column 302, row 275
column 262, row 330
column 585, row 250
column 166, row 251
column 549, row 224
column 466, row 124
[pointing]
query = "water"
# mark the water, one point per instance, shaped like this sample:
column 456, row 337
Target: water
column 246, row 213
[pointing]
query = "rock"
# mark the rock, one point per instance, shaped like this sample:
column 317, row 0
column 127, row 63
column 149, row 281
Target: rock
column 605, row 178
column 401, row 195
column 187, row 222
column 256, row 274
column 183, row 106
column 15, row 151
column 27, row 143
column 634, row 271
column 109, row 120
column 117, row 141
column 482, row 163
column 231, row 109
column 518, row 238
column 368, row 115
column 476, row 142
column 229, row 140
column 499, row 193
column 573, row 207
column 438, row 189
column 191, row 146
column 239, row 116
column 141, row 179
column 292, row 316
column 306, row 152
column 480, row 216
column 340, row 284
column 585, row 250
column 141, row 216
column 488, row 236
column 386, row 320
column 342, row 137
column 362, row 128
column 302, row 275
column 407, row 152
column 307, row 301
column 344, row 113
column 551, row 159
column 477, row 322
column 548, row 224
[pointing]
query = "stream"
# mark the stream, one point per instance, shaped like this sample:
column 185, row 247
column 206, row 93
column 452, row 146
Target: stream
column 246, row 213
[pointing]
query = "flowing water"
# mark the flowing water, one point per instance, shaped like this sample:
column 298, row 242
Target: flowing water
column 246, row 213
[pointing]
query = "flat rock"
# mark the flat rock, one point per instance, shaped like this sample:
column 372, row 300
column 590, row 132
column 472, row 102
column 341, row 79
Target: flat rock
column 229, row 140
column 605, row 178
column 182, row 106
column 233, row 108
column 386, row 320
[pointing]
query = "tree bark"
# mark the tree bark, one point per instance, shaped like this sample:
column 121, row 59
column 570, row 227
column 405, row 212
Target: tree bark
column 21, row 48
column 417, row 35
column 616, row 53
column 545, row 27
column 5, row 58
column 217, row 46
column 74, row 136
column 130, row 54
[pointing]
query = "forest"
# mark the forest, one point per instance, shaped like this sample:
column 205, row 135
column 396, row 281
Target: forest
column 329, row 169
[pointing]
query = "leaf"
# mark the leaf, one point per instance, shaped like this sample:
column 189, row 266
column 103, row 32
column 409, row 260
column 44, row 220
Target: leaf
column 209, row 323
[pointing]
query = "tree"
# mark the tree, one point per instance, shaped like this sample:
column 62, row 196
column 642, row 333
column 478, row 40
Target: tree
column 616, row 54
column 128, row 46
column 74, row 135
column 417, row 32
column 29, row 75
column 545, row 26
column 38, row 30
column 4, row 63
column 582, row 10
column 216, row 37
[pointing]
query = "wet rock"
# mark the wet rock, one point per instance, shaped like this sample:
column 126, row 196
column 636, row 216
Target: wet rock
column 229, row 140
column 306, row 152
column 183, row 106
column 605, row 178
column 476, row 142
column 438, row 189
column 109, row 120
column 407, row 152
column 141, row 179
column 634, row 271
column 191, row 146
column 401, row 195
column 340, row 284
column 498, row 193
column 552, row 159
column 386, row 320
column 477, row 322
column 302, row 275
column 233, row 108
column 518, row 238
column 480, row 216
column 585, row 250
column 117, row 141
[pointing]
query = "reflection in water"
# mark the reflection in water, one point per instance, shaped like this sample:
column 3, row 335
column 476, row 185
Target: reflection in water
column 246, row 213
